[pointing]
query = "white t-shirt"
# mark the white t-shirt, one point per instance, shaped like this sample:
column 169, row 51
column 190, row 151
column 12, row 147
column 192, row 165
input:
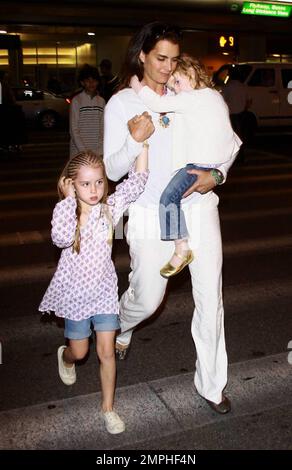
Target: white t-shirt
column 121, row 150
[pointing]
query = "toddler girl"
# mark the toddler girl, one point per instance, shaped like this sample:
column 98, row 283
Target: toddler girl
column 203, row 139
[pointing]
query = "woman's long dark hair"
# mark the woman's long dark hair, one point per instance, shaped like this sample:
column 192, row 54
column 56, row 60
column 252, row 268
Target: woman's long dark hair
column 145, row 40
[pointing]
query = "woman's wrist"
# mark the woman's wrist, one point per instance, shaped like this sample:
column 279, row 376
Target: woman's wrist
column 217, row 175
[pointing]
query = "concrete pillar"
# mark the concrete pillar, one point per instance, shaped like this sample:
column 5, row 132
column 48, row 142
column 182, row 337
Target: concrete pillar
column 15, row 66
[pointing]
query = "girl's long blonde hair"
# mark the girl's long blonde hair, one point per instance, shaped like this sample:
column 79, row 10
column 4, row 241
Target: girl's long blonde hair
column 195, row 71
column 70, row 170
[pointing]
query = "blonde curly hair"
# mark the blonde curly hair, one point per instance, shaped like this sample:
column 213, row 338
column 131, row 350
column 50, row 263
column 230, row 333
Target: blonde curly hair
column 195, row 71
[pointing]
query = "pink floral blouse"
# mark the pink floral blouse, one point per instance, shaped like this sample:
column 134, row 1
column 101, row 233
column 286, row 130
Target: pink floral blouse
column 85, row 284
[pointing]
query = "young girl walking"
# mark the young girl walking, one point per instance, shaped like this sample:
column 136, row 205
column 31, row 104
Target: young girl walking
column 84, row 287
column 203, row 139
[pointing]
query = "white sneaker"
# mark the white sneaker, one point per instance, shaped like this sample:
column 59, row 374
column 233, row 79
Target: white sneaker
column 67, row 374
column 113, row 423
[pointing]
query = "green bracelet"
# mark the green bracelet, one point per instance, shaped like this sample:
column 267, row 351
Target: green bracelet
column 217, row 175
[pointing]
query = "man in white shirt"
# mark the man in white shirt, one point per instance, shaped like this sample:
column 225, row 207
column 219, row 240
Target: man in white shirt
column 152, row 56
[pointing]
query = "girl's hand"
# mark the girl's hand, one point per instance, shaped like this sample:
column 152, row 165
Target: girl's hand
column 67, row 187
column 135, row 84
column 204, row 183
column 141, row 127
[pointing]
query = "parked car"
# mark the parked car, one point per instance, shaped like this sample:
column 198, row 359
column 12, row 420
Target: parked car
column 268, row 86
column 42, row 107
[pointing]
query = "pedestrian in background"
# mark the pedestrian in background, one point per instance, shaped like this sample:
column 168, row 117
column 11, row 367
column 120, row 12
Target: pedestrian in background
column 86, row 114
column 108, row 81
column 54, row 85
column 84, row 287
column 12, row 119
column 236, row 96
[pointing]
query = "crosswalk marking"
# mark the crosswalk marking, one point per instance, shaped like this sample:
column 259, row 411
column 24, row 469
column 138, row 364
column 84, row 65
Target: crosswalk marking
column 30, row 182
column 232, row 195
column 24, row 238
column 231, row 179
column 257, row 214
column 267, row 155
column 4, row 215
column 251, row 295
column 260, row 178
column 260, row 193
column 35, row 236
column 28, row 195
column 25, row 171
column 43, row 271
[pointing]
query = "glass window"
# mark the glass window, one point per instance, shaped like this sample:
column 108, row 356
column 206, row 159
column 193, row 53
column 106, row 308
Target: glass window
column 4, row 57
column 262, row 77
column 286, row 78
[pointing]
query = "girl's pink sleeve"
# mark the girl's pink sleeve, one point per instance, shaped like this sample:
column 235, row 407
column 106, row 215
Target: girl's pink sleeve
column 64, row 223
column 126, row 193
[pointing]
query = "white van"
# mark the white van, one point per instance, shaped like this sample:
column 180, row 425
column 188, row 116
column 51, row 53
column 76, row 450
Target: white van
column 268, row 86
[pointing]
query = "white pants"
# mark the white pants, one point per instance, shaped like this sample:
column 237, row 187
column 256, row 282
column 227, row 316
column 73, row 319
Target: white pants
column 147, row 286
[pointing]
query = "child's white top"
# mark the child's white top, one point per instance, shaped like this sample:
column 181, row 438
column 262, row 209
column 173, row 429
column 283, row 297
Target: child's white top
column 202, row 132
column 85, row 284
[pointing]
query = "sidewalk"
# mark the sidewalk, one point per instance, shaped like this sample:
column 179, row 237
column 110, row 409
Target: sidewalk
column 166, row 414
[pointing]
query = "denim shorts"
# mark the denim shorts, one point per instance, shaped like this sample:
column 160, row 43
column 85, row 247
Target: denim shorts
column 81, row 329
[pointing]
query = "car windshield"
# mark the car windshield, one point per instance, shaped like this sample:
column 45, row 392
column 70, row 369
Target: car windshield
column 241, row 71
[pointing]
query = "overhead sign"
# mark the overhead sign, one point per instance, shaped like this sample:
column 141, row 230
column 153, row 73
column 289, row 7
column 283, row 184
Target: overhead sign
column 226, row 41
column 266, row 9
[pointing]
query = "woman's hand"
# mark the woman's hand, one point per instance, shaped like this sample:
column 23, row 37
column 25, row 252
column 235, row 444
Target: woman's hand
column 204, row 183
column 141, row 127
column 135, row 84
column 67, row 187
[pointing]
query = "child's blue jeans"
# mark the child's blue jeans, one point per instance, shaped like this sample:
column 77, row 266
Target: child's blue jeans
column 171, row 216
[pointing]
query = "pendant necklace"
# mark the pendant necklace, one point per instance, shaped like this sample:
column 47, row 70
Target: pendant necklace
column 164, row 120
